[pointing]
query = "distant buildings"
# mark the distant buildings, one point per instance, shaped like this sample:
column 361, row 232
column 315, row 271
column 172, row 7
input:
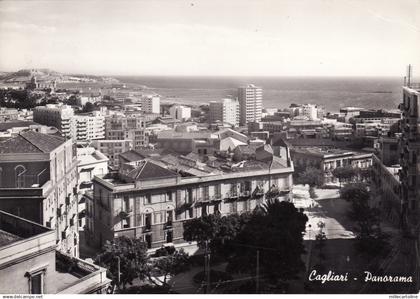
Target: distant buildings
column 201, row 143
column 150, row 104
column 150, row 198
column 126, row 127
column 328, row 159
column 42, row 83
column 38, row 181
column 59, row 116
column 78, row 127
column 30, row 263
column 89, row 127
column 250, row 102
column 225, row 111
column 180, row 112
column 112, row 149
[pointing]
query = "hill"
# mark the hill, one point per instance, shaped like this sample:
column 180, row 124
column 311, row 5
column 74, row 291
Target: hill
column 24, row 75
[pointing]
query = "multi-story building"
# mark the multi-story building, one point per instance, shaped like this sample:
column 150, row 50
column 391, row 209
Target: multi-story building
column 38, row 181
column 30, row 263
column 59, row 116
column 410, row 152
column 226, row 111
column 8, row 114
column 150, row 104
column 151, row 198
column 250, row 103
column 91, row 162
column 180, row 112
column 328, row 159
column 127, row 127
column 112, row 149
column 388, row 190
column 89, row 127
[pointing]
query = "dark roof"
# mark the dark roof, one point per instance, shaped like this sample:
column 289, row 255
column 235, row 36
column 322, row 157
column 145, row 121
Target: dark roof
column 148, row 170
column 131, row 156
column 31, row 142
column 7, row 238
column 17, row 123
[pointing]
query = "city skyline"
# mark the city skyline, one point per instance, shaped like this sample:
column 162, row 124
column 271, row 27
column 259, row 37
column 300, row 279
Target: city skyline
column 211, row 38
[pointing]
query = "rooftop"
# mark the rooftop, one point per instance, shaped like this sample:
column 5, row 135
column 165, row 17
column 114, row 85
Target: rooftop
column 7, row 238
column 4, row 126
column 31, row 142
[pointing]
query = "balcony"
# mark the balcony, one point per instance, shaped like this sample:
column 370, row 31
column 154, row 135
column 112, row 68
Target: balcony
column 26, row 180
column 125, row 214
column 245, row 194
column 168, row 224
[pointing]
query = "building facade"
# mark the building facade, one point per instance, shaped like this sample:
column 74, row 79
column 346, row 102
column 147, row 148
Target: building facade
column 112, row 148
column 89, row 127
column 59, row 116
column 226, row 111
column 150, row 104
column 250, row 102
column 410, row 151
column 151, row 198
column 38, row 181
column 30, row 264
column 127, row 127
column 179, row 112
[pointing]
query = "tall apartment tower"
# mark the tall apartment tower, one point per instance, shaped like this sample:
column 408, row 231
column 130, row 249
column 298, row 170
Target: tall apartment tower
column 410, row 152
column 225, row 110
column 250, row 102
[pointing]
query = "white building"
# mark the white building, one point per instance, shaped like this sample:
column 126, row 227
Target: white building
column 150, row 104
column 91, row 162
column 180, row 112
column 226, row 111
column 89, row 127
column 310, row 111
column 59, row 116
column 250, row 102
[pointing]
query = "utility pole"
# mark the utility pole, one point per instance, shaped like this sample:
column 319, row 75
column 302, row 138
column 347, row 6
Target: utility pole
column 119, row 270
column 257, row 284
column 208, row 270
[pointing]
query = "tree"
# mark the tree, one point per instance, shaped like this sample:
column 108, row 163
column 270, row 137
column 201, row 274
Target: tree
column 130, row 254
column 313, row 177
column 276, row 231
column 215, row 229
column 371, row 239
column 88, row 107
column 171, row 264
column 344, row 174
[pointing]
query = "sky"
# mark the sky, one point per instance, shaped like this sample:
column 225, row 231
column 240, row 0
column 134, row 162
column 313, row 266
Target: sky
column 212, row 37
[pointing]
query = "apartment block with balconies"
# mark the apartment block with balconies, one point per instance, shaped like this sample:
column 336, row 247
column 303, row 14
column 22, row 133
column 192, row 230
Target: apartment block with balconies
column 151, row 198
column 410, row 152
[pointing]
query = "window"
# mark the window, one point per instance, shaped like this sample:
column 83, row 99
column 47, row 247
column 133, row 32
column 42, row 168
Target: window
column 204, row 210
column 19, row 171
column 36, row 284
column 126, row 206
column 148, row 221
column 36, row 281
column 190, row 213
column 338, row 163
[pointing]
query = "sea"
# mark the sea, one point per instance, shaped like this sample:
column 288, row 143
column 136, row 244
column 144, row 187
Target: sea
column 279, row 92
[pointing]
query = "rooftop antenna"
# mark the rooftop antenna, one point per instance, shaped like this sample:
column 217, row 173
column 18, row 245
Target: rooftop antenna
column 409, row 74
